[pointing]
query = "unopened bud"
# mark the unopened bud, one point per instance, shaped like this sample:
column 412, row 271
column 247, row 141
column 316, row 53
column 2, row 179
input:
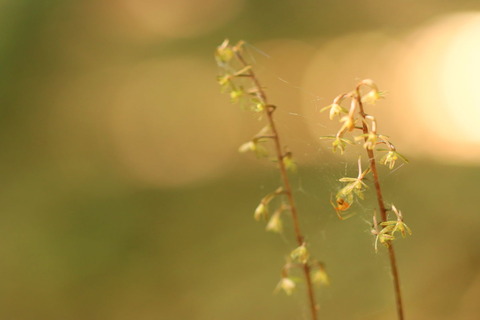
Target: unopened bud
column 260, row 211
column 275, row 223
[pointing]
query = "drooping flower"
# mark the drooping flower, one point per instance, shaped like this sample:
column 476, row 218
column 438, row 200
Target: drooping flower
column 338, row 143
column 391, row 157
column 255, row 146
column 348, row 123
column 370, row 140
column 373, row 96
column 320, row 277
column 287, row 285
column 261, row 211
column 335, row 110
column 275, row 223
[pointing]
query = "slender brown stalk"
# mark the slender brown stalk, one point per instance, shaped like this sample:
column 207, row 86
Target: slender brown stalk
column 383, row 213
column 269, row 111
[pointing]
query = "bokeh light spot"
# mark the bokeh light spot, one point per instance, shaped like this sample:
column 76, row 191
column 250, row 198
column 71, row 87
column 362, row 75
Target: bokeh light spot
column 167, row 18
column 438, row 72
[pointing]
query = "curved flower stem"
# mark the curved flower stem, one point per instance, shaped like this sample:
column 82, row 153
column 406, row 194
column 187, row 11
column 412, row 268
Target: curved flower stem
column 383, row 212
column 269, row 110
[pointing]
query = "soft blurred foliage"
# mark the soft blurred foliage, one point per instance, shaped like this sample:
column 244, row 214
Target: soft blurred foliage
column 123, row 196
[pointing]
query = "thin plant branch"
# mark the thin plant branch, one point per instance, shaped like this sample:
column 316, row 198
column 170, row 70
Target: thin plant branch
column 385, row 231
column 383, row 210
column 224, row 55
column 269, row 111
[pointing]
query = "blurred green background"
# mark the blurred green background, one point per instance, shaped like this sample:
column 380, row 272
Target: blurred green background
column 122, row 192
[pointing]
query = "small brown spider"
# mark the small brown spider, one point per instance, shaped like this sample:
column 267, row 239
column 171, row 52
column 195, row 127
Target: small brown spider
column 340, row 206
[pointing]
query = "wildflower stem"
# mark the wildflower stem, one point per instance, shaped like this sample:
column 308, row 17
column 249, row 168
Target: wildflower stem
column 269, row 111
column 383, row 211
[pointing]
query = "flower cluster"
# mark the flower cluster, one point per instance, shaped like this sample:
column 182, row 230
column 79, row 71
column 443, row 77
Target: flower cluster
column 355, row 118
column 239, row 80
column 352, row 119
column 386, row 233
column 235, row 73
column 298, row 258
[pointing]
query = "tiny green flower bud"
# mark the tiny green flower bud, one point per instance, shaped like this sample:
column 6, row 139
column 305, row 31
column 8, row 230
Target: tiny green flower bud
column 289, row 163
column 235, row 95
column 258, row 107
column 300, row 254
column 224, row 53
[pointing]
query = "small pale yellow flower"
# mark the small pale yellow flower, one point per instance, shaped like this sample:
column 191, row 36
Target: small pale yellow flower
column 335, row 110
column 255, row 146
column 348, row 123
column 261, row 211
column 370, row 141
column 373, row 96
column 289, row 162
column 275, row 223
column 391, row 157
column 247, row 146
column 224, row 52
column 287, row 285
column 300, row 254
column 235, row 95
column 320, row 277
